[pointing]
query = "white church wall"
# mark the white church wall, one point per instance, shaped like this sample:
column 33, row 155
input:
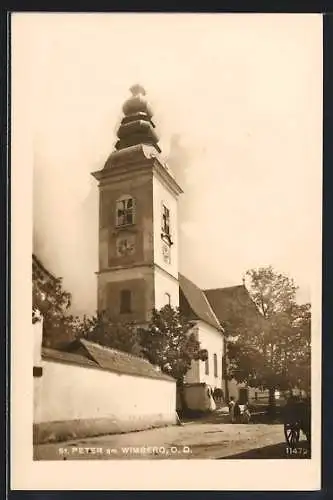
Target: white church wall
column 77, row 400
column 165, row 286
column 211, row 339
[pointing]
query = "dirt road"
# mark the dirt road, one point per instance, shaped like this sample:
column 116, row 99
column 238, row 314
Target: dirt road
column 193, row 440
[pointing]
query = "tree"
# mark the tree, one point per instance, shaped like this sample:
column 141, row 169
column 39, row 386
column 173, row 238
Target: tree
column 102, row 330
column 170, row 343
column 275, row 351
column 52, row 302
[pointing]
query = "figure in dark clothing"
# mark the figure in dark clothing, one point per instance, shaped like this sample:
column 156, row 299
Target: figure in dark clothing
column 237, row 412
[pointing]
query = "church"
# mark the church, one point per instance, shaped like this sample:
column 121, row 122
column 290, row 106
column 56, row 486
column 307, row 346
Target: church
column 139, row 244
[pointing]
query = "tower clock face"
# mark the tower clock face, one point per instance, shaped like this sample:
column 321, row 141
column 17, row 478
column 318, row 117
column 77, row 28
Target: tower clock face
column 125, row 246
column 166, row 253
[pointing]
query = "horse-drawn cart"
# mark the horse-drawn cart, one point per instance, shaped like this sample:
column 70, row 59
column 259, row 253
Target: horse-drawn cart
column 297, row 418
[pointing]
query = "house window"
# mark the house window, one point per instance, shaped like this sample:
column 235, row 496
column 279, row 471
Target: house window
column 215, row 365
column 125, row 301
column 207, row 366
column 125, row 211
column 168, row 299
column 165, row 220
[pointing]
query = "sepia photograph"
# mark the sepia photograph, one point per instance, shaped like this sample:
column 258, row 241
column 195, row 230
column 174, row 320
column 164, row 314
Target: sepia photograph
column 167, row 174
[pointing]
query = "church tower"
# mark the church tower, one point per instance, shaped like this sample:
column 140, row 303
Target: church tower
column 138, row 226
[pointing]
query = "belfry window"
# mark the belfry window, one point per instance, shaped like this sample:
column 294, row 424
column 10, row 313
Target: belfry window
column 125, row 301
column 166, row 220
column 125, row 211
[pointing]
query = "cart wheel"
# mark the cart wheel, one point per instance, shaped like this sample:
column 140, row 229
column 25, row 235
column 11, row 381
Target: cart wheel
column 292, row 434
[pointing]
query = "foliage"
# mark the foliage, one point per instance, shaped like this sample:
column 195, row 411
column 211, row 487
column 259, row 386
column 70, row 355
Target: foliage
column 271, row 292
column 169, row 342
column 52, row 302
column 48, row 297
column 275, row 351
column 102, row 330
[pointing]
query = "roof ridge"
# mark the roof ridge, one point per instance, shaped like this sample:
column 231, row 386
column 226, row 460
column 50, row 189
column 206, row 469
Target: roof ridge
column 112, row 349
column 212, row 310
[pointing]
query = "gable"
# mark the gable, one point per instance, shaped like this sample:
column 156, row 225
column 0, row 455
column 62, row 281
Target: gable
column 233, row 306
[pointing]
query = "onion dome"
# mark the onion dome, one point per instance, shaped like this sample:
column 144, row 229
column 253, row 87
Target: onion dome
column 137, row 126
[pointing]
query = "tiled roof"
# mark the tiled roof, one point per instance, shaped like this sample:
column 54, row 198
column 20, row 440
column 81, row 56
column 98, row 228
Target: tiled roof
column 67, row 357
column 114, row 360
column 233, row 305
column 194, row 304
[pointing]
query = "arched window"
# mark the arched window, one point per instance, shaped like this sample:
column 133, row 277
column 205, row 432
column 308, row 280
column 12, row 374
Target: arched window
column 125, row 211
column 167, row 299
column 215, row 366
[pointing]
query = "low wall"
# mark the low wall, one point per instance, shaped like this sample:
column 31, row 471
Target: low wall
column 73, row 401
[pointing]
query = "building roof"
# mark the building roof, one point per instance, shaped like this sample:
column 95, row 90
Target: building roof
column 86, row 353
column 67, row 357
column 194, row 304
column 233, row 305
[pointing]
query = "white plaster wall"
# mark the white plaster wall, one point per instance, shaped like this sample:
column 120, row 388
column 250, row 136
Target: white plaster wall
column 163, row 284
column 193, row 375
column 196, row 398
column 68, row 392
column 210, row 339
column 162, row 195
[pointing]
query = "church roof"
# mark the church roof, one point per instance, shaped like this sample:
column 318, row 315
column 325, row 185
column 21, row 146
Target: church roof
column 194, row 304
column 233, row 304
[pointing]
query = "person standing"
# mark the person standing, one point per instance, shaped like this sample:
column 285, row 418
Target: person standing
column 237, row 412
column 232, row 409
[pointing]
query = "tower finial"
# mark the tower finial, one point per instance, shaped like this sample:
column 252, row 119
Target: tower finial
column 137, row 90
column 137, row 126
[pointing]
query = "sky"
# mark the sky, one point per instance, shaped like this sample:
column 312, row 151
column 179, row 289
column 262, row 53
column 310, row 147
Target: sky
column 237, row 102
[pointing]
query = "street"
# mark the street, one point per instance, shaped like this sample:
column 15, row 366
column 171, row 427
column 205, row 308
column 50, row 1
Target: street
column 193, row 440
